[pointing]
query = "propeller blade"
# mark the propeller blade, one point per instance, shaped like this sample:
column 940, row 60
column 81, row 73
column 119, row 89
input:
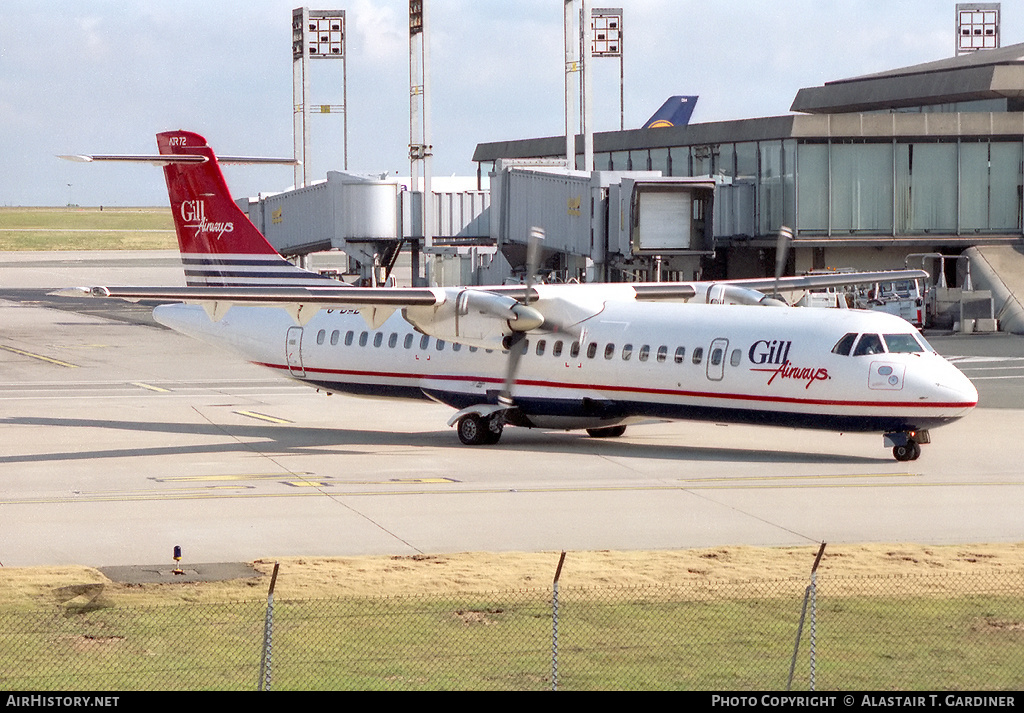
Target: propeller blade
column 515, row 353
column 529, row 318
column 532, row 258
column 782, row 254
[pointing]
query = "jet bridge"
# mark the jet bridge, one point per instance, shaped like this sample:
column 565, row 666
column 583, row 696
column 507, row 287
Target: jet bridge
column 371, row 218
column 605, row 226
column 609, row 226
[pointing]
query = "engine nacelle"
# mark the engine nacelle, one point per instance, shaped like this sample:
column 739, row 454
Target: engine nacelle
column 716, row 293
column 475, row 317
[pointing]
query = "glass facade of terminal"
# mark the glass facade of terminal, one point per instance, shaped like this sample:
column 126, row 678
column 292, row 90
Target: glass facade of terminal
column 837, row 188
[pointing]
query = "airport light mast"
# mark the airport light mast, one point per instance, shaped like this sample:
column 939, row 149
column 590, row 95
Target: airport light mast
column 420, row 149
column 316, row 34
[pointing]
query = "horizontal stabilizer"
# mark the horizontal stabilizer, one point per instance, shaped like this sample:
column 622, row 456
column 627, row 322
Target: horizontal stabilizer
column 166, row 160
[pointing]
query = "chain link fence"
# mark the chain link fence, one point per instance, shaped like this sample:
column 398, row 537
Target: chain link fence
column 926, row 633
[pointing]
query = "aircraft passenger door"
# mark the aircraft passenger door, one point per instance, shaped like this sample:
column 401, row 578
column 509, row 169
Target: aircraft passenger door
column 293, row 351
column 717, row 355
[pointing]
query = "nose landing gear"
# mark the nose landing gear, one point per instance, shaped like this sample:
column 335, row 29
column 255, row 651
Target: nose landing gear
column 906, row 446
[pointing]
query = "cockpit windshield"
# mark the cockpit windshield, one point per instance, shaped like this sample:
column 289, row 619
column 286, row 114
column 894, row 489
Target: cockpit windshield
column 874, row 344
column 868, row 344
column 902, row 344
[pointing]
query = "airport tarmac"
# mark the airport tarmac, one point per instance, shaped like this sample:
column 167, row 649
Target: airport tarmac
column 120, row 439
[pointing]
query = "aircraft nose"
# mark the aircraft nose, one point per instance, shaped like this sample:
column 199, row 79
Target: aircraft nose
column 956, row 388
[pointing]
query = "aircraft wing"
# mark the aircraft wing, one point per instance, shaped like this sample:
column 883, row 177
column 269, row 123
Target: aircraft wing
column 474, row 316
column 832, row 279
column 483, row 316
column 329, row 296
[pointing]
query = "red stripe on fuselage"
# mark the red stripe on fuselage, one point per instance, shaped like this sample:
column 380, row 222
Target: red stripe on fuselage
column 628, row 389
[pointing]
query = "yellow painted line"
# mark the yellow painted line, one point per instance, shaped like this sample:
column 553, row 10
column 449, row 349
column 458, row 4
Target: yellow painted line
column 418, row 481
column 301, row 493
column 237, row 476
column 151, row 387
column 306, row 483
column 40, row 357
column 798, row 477
column 262, row 416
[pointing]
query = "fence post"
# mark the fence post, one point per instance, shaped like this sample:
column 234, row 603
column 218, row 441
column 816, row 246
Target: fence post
column 810, row 592
column 268, row 634
column 554, row 624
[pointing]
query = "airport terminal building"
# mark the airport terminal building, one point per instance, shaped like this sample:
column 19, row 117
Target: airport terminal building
column 866, row 171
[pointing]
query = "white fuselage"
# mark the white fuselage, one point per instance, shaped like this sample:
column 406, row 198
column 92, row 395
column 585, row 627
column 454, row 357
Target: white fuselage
column 634, row 360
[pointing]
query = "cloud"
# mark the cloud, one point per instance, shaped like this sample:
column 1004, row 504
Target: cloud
column 379, row 32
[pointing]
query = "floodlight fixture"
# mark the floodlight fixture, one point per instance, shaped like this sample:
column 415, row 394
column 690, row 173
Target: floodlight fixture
column 977, row 26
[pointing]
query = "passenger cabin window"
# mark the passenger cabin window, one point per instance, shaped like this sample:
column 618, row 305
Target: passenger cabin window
column 320, row 336
column 349, row 335
column 556, row 348
column 609, row 350
column 735, row 357
column 439, row 345
column 424, row 341
column 902, row 344
column 335, row 335
column 680, row 355
column 591, row 350
column 574, row 350
column 627, row 352
column 393, row 340
column 378, row 339
column 363, row 336
column 698, row 355
column 717, row 356
column 408, row 341
column 541, row 346
column 662, row 353
column 869, row 344
column 645, row 351
column 456, row 347
column 844, row 345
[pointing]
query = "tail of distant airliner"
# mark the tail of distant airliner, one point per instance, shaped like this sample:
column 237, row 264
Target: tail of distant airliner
column 220, row 247
column 676, row 111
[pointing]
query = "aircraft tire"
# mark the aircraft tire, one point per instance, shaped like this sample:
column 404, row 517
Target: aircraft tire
column 911, row 451
column 493, row 429
column 472, row 430
column 607, row 432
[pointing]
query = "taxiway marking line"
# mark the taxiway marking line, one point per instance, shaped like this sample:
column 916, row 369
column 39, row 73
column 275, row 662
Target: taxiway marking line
column 158, row 389
column 799, row 477
column 210, row 495
column 40, row 357
column 234, row 476
column 300, row 474
column 262, row 417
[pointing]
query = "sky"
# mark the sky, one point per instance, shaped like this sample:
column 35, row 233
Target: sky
column 105, row 76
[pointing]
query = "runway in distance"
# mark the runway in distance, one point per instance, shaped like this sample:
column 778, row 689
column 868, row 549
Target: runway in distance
column 549, row 356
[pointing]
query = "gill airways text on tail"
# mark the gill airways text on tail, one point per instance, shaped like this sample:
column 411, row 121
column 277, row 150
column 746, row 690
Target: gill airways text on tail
column 220, row 247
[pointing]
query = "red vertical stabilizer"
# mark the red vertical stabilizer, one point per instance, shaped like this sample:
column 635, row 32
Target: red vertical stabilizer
column 220, row 247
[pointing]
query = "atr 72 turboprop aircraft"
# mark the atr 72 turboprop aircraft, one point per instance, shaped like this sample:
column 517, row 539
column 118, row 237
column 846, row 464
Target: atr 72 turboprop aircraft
column 585, row 356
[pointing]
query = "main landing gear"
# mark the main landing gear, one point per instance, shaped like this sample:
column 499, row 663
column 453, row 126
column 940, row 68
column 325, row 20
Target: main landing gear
column 907, row 446
column 477, row 430
column 483, row 426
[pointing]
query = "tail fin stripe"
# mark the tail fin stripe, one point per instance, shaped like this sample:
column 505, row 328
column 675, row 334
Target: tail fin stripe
column 230, row 263
column 223, row 270
column 254, row 274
